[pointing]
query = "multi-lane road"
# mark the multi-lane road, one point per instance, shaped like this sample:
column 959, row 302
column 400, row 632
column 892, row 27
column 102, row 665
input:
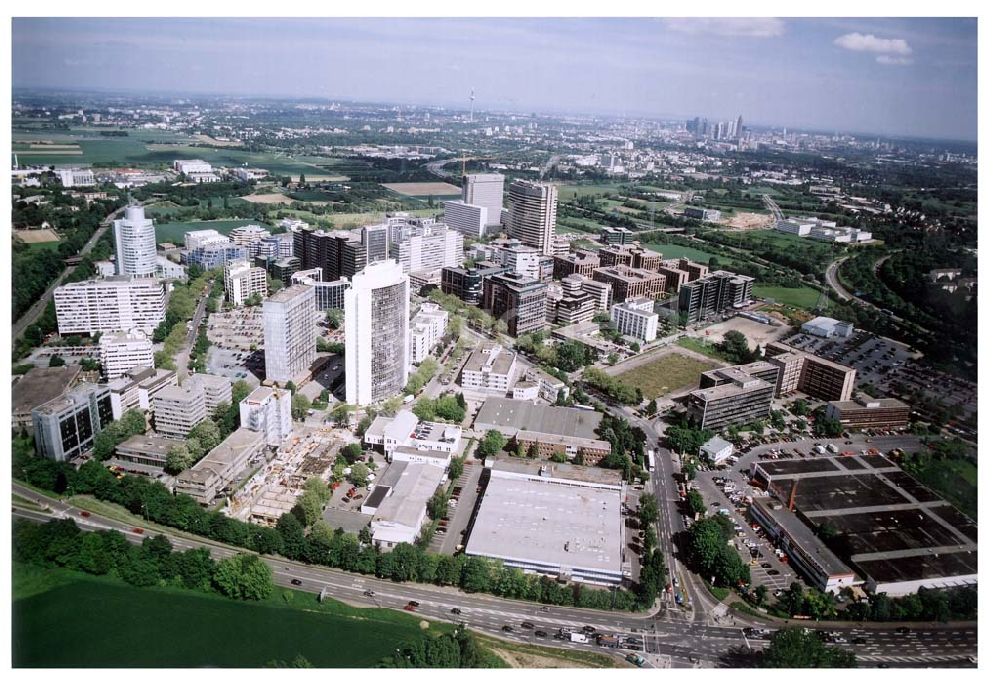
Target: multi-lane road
column 702, row 636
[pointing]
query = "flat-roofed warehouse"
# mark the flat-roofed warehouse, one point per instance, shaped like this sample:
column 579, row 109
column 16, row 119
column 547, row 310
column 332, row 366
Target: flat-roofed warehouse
column 568, row 529
column 568, row 429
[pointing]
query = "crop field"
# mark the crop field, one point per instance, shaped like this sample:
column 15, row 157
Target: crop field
column 63, row 619
column 174, row 232
column 800, row 297
column 665, row 374
column 423, row 188
column 678, row 251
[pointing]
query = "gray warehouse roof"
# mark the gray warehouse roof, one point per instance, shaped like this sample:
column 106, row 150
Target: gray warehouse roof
column 510, row 416
column 554, row 522
column 42, row 384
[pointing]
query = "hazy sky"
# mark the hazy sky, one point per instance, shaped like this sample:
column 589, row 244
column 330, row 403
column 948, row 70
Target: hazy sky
column 886, row 76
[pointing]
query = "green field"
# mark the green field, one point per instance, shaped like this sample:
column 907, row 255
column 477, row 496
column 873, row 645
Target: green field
column 174, row 232
column 150, row 148
column 801, row 297
column 568, row 192
column 678, row 251
column 665, row 374
column 63, row 618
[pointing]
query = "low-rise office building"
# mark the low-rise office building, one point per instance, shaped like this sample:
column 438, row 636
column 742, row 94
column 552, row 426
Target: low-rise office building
column 145, row 451
column 402, row 512
column 707, row 214
column 176, row 410
column 213, row 474
column 634, row 318
column 825, row 327
column 390, row 433
column 218, row 390
column 867, row 412
column 569, row 430
column 490, row 369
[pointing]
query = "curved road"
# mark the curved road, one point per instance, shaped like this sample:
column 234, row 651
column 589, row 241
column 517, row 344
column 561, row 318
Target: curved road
column 30, row 316
column 679, row 642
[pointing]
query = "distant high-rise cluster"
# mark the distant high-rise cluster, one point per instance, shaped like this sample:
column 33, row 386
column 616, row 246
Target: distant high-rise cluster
column 731, row 130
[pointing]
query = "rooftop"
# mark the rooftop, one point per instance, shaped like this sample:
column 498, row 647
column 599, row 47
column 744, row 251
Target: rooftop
column 42, row 384
column 556, row 522
column 525, row 415
column 148, row 443
column 407, row 503
column 289, row 293
column 802, row 536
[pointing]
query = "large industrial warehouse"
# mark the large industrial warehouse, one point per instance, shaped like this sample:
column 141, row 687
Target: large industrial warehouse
column 563, row 528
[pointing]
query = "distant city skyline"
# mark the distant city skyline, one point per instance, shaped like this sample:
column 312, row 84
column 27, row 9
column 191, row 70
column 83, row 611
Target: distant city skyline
column 893, row 77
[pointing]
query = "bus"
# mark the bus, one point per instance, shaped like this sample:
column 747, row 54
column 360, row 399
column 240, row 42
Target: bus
column 651, row 454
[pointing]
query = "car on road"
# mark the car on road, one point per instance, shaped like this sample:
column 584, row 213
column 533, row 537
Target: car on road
column 138, row 530
column 527, row 625
column 766, row 566
column 589, row 629
column 296, row 581
column 541, row 633
column 545, row 608
column 84, row 513
column 457, row 611
column 369, row 593
column 414, row 604
column 858, row 640
column 507, row 629
column 902, row 630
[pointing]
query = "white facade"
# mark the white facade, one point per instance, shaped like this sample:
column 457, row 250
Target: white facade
column 176, row 410
column 468, row 219
column 135, row 244
column 190, row 167
column 491, row 368
column 795, row 226
column 76, row 177
column 168, row 270
column 203, row 238
column 243, row 280
column 518, row 258
column 427, row 329
column 289, row 333
column 825, row 327
column 251, row 237
column 121, row 352
column 376, row 333
column 428, row 250
column 115, row 304
column 268, row 410
column 486, row 190
column 634, row 318
column 218, row 390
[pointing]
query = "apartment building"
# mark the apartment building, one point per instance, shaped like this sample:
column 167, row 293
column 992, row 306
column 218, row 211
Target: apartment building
column 516, row 300
column 427, row 328
column 628, row 282
column 177, row 410
column 123, row 351
column 489, row 368
column 634, row 318
column 716, row 294
column 580, row 262
column 119, row 303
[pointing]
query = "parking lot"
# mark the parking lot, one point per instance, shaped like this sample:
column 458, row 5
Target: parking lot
column 875, row 358
column 235, row 336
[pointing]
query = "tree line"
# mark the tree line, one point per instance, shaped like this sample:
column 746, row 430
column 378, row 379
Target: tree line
column 63, row 544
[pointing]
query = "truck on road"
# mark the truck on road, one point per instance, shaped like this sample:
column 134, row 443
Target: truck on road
column 577, row 637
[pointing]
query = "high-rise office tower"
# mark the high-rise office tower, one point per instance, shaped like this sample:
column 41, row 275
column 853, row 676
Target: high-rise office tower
column 289, row 333
column 135, row 242
column 484, row 189
column 376, row 333
column 533, row 213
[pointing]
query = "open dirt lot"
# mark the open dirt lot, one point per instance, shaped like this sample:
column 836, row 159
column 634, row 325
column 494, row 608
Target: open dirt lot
column 750, row 221
column 268, row 199
column 756, row 333
column 424, row 188
column 35, row 236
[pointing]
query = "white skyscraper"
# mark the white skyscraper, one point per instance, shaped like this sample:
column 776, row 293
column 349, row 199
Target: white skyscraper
column 135, row 242
column 376, row 333
column 533, row 213
column 468, row 219
column 289, row 333
column 484, row 189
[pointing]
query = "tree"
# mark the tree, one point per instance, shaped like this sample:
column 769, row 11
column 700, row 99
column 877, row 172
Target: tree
column 826, row 426
column 274, row 285
column 558, row 456
column 797, row 648
column 695, row 502
column 243, row 576
column 437, row 505
column 425, row 409
column 358, row 474
column 254, row 300
column 178, row 459
column 491, row 444
column 800, row 408
column 735, row 347
column 56, row 361
column 300, row 407
column 335, row 317
column 207, row 433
